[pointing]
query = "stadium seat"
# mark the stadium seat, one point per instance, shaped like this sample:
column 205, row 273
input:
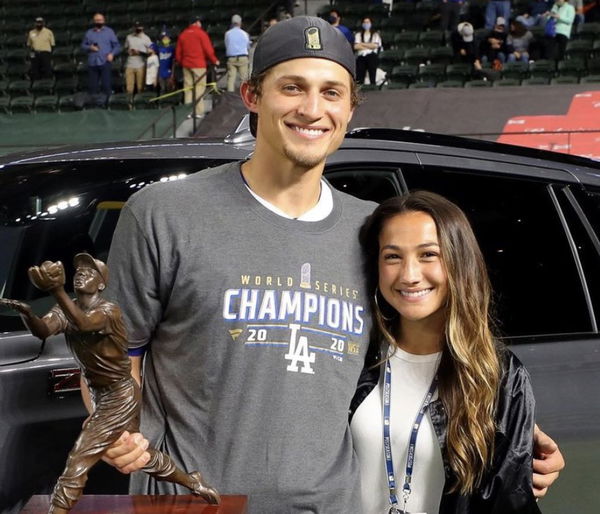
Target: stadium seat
column 421, row 85
column 441, row 55
column 4, row 105
column 536, row 81
column 571, row 68
column 432, row 73
column 459, row 71
column 62, row 54
column 590, row 79
column 390, row 58
column 65, row 86
column 15, row 55
column 579, row 48
column 542, row 68
column 119, row 102
column 64, row 70
column 431, row 38
column 47, row 103
column 506, row 82
column 565, row 79
column 68, row 104
column 593, row 66
column 396, row 85
column 478, row 83
column 450, row 84
column 589, row 31
column 3, row 87
column 515, row 70
column 405, row 73
column 42, row 87
column 416, row 55
column 407, row 39
column 21, row 104
column 19, row 88
column 142, row 101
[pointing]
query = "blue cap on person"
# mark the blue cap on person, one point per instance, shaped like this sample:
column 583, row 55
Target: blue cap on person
column 302, row 36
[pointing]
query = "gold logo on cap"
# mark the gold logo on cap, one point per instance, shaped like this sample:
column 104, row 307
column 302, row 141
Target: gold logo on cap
column 312, row 39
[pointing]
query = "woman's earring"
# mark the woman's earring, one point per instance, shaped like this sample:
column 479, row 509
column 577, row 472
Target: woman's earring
column 379, row 308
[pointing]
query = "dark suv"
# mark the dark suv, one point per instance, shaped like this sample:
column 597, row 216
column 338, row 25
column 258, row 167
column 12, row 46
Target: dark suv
column 536, row 214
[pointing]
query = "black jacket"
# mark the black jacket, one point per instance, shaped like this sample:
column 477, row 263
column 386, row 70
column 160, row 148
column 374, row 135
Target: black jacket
column 506, row 488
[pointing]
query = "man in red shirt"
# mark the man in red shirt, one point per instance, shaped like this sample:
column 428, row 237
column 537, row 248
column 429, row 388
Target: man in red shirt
column 193, row 50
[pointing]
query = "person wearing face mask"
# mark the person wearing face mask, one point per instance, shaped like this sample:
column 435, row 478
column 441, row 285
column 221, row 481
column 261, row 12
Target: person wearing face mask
column 367, row 44
column 335, row 20
column 41, row 41
column 136, row 44
column 166, row 61
column 102, row 46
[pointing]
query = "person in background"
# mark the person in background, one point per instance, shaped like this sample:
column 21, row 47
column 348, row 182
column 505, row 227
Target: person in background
column 445, row 376
column 518, row 41
column 367, row 44
column 237, row 45
column 41, row 42
column 152, row 65
column 102, row 46
column 562, row 15
column 579, row 14
column 463, row 43
column 534, row 13
column 496, row 9
column 193, row 49
column 492, row 48
column 136, row 45
column 166, row 63
column 450, row 14
column 335, row 19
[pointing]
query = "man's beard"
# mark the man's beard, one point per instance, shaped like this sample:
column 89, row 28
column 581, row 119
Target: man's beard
column 306, row 160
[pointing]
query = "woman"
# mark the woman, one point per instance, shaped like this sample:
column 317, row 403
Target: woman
column 367, row 45
column 518, row 41
column 431, row 297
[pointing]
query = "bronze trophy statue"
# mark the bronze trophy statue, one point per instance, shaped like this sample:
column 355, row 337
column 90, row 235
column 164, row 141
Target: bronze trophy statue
column 96, row 335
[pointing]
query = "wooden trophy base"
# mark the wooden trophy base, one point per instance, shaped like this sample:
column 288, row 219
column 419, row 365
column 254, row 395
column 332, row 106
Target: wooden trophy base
column 144, row 504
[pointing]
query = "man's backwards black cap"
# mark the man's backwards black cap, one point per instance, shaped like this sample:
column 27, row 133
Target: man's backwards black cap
column 302, row 36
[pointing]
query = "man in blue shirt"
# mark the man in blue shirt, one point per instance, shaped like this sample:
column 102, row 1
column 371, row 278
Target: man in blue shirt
column 102, row 46
column 334, row 19
column 237, row 43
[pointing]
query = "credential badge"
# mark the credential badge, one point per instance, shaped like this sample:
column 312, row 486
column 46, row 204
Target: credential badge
column 312, row 39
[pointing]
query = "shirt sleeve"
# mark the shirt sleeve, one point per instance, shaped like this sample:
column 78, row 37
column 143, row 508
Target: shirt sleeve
column 115, row 47
column 57, row 316
column 52, row 42
column 134, row 283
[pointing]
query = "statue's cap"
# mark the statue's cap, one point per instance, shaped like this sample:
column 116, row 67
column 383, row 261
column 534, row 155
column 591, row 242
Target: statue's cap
column 85, row 259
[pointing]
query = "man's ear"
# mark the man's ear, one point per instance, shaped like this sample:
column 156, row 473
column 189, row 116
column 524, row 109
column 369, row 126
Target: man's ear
column 249, row 97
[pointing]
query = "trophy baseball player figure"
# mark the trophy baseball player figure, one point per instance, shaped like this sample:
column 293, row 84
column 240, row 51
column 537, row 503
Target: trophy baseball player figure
column 96, row 336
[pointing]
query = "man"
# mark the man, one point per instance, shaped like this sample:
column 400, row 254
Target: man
column 41, row 42
column 493, row 47
column 237, row 44
column 244, row 288
column 496, row 9
column 137, row 45
column 335, row 19
column 96, row 336
column 450, row 15
column 102, row 46
column 192, row 51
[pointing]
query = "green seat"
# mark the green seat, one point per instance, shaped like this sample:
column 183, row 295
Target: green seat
column 396, row 85
column 65, row 86
column 62, row 54
column 507, row 82
column 48, row 103
column 21, row 104
column 431, row 38
column 390, row 58
column 450, row 84
column 565, row 79
column 590, row 79
column 459, row 71
column 4, row 105
column 64, row 70
column 405, row 73
column 579, row 48
column 416, row 55
column 19, row 88
column 119, row 102
column 478, row 83
column 542, row 68
column 142, row 101
column 407, row 39
column 432, row 73
column 589, row 31
column 171, row 100
column 571, row 68
column 42, row 87
column 515, row 70
column 441, row 55
column 536, row 81
column 67, row 104
column 421, row 85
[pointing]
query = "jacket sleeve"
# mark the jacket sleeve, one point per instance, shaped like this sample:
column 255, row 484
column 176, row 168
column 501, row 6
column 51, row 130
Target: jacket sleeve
column 208, row 49
column 507, row 487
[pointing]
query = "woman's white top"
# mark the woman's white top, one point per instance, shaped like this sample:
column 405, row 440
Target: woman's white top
column 411, row 379
column 372, row 37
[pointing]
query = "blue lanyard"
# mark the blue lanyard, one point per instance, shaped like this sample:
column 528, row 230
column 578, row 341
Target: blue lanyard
column 387, row 442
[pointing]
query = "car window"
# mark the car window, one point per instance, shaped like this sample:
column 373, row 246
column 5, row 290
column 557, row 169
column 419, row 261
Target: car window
column 536, row 283
column 375, row 185
column 64, row 210
column 582, row 211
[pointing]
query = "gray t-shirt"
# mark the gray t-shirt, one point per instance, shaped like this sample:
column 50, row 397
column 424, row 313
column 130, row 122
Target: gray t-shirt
column 257, row 327
column 141, row 43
